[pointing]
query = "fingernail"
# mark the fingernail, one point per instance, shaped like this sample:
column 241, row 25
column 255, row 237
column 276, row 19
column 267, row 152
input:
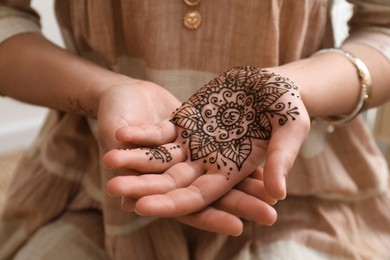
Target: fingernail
column 283, row 188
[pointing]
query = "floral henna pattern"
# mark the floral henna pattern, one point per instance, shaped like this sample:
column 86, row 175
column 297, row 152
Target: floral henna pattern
column 225, row 115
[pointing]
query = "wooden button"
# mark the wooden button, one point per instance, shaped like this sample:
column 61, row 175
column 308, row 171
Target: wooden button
column 192, row 20
column 192, row 2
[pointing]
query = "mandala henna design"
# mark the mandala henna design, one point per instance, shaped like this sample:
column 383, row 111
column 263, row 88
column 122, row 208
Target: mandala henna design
column 224, row 116
column 160, row 153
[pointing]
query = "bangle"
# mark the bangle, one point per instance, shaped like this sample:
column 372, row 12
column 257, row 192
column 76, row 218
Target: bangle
column 365, row 89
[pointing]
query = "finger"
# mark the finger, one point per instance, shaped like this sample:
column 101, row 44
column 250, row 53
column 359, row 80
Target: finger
column 157, row 159
column 148, row 135
column 246, row 206
column 178, row 176
column 258, row 173
column 256, row 189
column 282, row 152
column 202, row 192
column 214, row 220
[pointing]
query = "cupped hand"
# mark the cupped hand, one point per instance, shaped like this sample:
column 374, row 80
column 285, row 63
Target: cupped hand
column 228, row 128
column 132, row 103
column 137, row 103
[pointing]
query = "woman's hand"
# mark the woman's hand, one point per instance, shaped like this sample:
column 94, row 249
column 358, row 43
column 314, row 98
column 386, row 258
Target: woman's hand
column 226, row 130
column 133, row 103
column 138, row 102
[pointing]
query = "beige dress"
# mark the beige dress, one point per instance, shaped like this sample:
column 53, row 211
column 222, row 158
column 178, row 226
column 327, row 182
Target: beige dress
column 338, row 204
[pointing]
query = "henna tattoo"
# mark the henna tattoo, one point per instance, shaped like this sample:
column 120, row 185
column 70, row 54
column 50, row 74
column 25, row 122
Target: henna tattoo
column 74, row 104
column 160, row 153
column 222, row 117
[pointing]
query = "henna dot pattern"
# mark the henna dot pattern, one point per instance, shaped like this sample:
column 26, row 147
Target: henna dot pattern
column 222, row 118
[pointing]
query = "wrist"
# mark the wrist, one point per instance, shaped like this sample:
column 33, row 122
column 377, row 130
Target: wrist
column 365, row 84
column 97, row 87
column 328, row 84
column 35, row 71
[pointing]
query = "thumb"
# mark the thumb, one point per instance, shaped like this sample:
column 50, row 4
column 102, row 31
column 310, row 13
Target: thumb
column 148, row 135
column 281, row 154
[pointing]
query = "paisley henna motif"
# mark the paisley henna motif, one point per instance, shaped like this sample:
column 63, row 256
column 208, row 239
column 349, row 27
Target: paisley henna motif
column 223, row 117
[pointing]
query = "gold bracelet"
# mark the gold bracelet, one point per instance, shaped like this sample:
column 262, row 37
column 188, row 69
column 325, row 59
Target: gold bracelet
column 365, row 90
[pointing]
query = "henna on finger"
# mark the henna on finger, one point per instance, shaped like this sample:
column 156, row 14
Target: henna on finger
column 146, row 160
column 161, row 153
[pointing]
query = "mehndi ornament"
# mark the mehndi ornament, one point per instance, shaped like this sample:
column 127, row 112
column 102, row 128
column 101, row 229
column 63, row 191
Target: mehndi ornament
column 220, row 121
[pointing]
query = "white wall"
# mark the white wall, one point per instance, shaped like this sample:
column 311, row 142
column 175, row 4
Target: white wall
column 19, row 122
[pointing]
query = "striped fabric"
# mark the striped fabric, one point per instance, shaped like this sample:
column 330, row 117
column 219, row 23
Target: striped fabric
column 56, row 208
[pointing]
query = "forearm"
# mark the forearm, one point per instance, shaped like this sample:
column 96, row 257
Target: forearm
column 329, row 84
column 36, row 71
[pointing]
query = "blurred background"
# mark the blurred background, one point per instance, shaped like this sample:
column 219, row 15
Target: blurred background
column 19, row 122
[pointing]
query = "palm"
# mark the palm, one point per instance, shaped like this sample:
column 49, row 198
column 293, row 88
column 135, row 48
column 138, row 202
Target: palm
column 132, row 104
column 225, row 132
